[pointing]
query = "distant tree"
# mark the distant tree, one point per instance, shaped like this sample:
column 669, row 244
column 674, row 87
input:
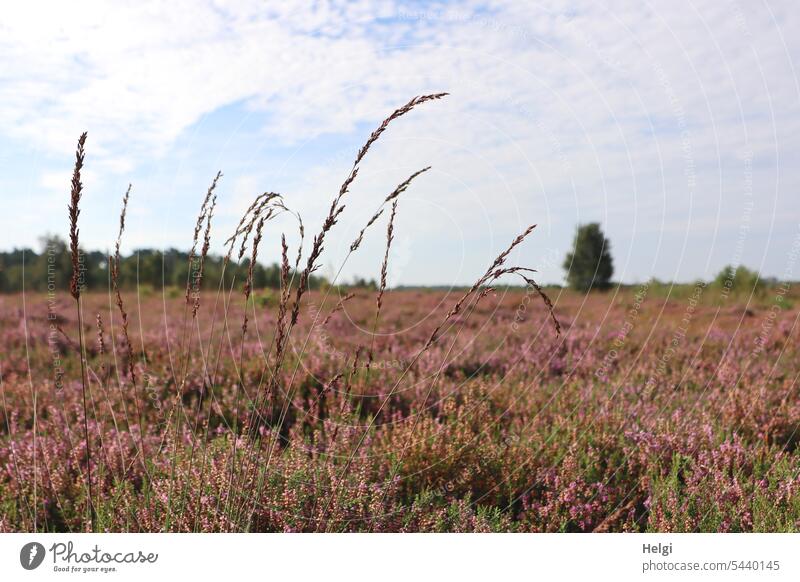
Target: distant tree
column 739, row 280
column 589, row 265
column 362, row 283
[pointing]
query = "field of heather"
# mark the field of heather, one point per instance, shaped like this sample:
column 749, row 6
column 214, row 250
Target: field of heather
column 647, row 412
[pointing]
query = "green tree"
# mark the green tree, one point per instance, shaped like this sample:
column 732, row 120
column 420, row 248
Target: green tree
column 589, row 265
column 739, row 280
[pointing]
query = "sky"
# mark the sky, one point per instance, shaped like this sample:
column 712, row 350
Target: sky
column 674, row 124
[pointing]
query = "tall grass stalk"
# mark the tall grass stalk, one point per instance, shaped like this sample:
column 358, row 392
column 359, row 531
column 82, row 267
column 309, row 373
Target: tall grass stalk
column 75, row 284
column 312, row 265
column 194, row 279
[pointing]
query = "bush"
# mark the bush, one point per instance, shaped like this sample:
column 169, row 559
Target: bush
column 739, row 280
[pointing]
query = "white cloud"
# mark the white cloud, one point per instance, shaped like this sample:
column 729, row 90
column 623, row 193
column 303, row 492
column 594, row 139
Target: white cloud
column 560, row 111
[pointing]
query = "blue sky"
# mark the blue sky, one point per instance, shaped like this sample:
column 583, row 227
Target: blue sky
column 676, row 125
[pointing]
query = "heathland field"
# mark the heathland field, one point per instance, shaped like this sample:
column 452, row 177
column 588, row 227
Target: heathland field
column 650, row 411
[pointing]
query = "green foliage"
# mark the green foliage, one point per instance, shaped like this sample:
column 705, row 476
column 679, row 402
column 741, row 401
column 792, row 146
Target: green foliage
column 362, row 283
column 267, row 299
column 739, row 280
column 589, row 265
column 145, row 269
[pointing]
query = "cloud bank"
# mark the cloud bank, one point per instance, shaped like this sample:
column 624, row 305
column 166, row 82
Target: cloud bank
column 675, row 124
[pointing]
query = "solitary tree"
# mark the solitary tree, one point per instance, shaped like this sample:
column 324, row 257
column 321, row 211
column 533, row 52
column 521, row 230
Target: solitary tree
column 589, row 264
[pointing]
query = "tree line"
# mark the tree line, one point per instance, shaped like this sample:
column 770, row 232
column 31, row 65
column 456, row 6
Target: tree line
column 588, row 266
column 51, row 269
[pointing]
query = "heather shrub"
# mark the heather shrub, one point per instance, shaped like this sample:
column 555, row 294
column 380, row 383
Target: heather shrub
column 314, row 407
